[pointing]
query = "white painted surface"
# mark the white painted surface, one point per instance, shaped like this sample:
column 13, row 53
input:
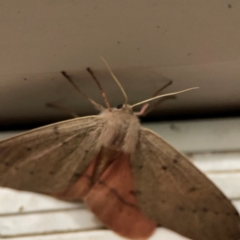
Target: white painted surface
column 162, row 234
column 25, row 216
column 194, row 43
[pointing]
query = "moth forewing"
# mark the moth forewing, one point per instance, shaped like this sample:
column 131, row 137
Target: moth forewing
column 175, row 194
column 50, row 158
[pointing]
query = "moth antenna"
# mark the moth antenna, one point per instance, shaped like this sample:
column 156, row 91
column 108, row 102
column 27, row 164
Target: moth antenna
column 101, row 89
column 145, row 108
column 164, row 95
column 98, row 106
column 116, row 80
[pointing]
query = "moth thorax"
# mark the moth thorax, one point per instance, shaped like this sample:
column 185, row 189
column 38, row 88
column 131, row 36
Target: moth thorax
column 127, row 109
column 120, row 132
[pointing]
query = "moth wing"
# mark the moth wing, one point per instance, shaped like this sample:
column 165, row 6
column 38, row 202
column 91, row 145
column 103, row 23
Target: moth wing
column 176, row 195
column 113, row 201
column 49, row 159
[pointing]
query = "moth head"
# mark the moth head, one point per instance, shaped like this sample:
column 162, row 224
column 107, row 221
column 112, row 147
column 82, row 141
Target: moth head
column 124, row 108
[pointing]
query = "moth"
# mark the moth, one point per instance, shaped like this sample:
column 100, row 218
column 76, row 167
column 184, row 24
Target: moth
column 127, row 175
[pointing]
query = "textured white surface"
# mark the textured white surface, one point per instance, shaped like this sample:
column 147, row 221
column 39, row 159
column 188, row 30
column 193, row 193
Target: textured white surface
column 25, row 216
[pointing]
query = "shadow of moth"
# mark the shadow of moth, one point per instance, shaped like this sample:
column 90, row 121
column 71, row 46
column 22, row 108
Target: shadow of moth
column 128, row 176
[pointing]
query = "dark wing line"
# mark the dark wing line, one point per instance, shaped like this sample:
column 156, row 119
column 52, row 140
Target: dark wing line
column 53, row 148
column 47, row 126
column 173, row 160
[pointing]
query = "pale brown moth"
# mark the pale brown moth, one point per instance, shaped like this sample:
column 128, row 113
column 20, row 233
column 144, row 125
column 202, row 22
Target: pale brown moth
column 129, row 177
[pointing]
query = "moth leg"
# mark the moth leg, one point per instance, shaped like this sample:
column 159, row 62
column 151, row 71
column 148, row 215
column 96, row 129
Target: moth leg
column 100, row 88
column 155, row 105
column 95, row 104
column 146, row 108
column 62, row 108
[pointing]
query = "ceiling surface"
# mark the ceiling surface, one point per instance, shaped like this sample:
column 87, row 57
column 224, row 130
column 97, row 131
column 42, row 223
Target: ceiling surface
column 147, row 43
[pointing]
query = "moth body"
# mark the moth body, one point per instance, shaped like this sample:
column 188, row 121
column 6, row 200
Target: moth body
column 121, row 129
